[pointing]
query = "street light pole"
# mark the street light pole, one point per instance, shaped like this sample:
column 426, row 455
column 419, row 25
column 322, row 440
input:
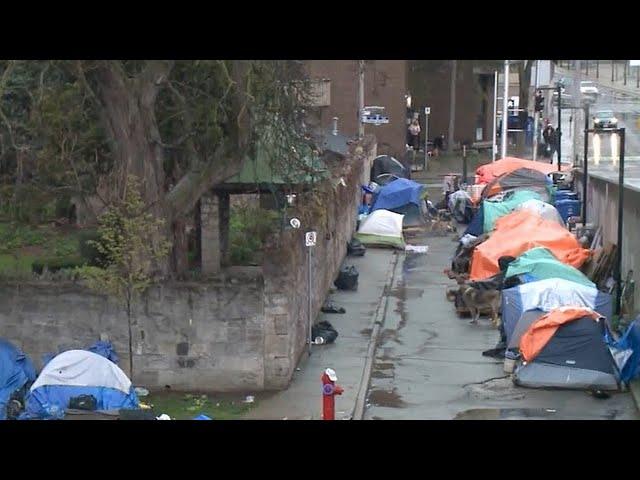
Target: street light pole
column 559, row 131
column 505, row 113
column 494, row 146
column 585, row 169
column 618, row 276
column 536, row 114
column 360, row 97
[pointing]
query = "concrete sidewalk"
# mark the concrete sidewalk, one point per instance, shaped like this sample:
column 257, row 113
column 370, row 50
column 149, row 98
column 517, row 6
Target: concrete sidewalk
column 347, row 356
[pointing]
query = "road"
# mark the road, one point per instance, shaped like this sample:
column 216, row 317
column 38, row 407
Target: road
column 604, row 148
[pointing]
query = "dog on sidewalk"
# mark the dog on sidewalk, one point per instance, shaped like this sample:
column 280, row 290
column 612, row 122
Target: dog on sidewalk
column 475, row 298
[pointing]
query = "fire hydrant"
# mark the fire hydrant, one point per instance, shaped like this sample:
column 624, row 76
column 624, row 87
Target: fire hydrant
column 329, row 391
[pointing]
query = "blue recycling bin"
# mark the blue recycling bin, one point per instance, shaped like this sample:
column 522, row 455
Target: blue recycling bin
column 569, row 208
column 565, row 195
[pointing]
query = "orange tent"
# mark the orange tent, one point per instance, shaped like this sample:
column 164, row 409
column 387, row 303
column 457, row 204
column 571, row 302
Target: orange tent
column 541, row 331
column 488, row 172
column 519, row 232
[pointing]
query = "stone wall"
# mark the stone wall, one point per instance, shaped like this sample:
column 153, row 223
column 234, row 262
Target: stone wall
column 242, row 330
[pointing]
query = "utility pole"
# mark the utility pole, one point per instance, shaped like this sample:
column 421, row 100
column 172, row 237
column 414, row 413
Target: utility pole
column 536, row 114
column 360, row 97
column 559, row 130
column 505, row 112
column 576, row 113
column 494, row 147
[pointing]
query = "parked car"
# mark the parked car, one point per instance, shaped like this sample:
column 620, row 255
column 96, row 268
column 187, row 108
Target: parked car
column 605, row 119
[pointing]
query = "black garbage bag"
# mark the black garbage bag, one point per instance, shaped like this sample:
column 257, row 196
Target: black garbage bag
column 83, row 402
column 355, row 248
column 347, row 278
column 330, row 307
column 325, row 331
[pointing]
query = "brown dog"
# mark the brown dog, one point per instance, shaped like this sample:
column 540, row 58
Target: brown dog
column 477, row 300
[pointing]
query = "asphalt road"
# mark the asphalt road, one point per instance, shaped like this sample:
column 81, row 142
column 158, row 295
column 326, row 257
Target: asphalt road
column 603, row 150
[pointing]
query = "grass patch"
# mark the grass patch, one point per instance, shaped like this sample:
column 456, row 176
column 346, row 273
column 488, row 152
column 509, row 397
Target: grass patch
column 22, row 245
column 249, row 227
column 184, row 406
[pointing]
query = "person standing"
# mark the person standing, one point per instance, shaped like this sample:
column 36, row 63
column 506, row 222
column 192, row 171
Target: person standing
column 414, row 135
column 550, row 138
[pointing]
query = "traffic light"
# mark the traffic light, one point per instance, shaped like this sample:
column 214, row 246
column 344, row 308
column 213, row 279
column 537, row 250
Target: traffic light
column 539, row 103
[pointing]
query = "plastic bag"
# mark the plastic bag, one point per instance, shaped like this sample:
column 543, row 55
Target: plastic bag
column 347, row 278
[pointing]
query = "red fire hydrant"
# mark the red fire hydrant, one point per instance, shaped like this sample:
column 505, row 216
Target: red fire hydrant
column 329, row 391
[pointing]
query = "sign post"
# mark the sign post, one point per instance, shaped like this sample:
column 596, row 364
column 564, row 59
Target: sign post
column 310, row 242
column 427, row 111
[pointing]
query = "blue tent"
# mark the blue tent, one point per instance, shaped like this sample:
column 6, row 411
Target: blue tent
column 75, row 373
column 397, row 194
column 16, row 371
column 543, row 296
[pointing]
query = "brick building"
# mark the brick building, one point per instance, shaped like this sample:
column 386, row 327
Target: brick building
column 385, row 85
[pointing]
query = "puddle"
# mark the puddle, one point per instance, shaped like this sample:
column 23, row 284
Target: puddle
column 385, row 398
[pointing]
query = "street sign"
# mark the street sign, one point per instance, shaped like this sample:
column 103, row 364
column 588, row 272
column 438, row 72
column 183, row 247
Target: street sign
column 310, row 239
column 427, row 110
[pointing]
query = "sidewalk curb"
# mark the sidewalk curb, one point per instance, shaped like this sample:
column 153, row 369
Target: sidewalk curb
column 378, row 320
column 634, row 388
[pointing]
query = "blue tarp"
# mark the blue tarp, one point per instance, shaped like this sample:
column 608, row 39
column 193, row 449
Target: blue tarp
column 397, row 194
column 630, row 340
column 16, row 370
column 476, row 227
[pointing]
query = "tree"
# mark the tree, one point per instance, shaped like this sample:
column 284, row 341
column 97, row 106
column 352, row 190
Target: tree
column 124, row 230
column 452, row 104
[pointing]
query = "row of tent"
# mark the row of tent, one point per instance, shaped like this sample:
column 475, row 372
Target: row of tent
column 554, row 319
column 73, row 374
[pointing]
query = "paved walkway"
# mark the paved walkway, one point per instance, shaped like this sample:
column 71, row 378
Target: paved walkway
column 347, row 356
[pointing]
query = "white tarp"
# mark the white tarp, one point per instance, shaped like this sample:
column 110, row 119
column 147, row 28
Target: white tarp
column 545, row 210
column 553, row 293
column 382, row 223
column 84, row 369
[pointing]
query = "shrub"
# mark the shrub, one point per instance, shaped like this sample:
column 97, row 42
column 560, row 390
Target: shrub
column 89, row 251
column 56, row 264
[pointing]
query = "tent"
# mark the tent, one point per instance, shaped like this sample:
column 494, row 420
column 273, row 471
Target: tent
column 629, row 343
column 523, row 304
column 519, row 232
column 382, row 228
column 487, row 173
column 566, row 348
column 541, row 264
column 493, row 210
column 522, row 178
column 16, row 371
column 543, row 209
column 404, row 197
column 79, row 372
column 476, row 226
column 385, row 168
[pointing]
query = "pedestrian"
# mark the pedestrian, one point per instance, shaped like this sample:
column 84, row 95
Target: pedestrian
column 414, row 132
column 438, row 144
column 550, row 138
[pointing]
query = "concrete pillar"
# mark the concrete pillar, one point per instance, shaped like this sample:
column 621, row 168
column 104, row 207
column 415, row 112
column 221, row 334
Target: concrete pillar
column 225, row 213
column 210, row 234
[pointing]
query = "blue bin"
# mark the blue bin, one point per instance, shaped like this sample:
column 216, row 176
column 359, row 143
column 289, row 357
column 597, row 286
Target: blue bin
column 569, row 208
column 565, row 195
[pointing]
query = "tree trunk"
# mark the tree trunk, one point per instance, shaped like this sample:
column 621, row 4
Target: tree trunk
column 452, row 105
column 180, row 249
column 524, row 82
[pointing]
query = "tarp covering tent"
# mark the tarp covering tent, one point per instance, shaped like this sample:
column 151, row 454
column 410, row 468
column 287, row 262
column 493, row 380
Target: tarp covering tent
column 630, row 344
column 521, row 179
column 519, row 232
column 543, row 209
column 405, row 197
column 566, row 348
column 385, row 166
column 382, row 228
column 493, row 210
column 16, row 371
column 541, row 264
column 546, row 295
column 487, row 173
column 476, row 226
column 79, row 372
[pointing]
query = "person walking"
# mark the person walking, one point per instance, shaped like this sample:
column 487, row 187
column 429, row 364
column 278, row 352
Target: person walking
column 550, row 138
column 414, row 136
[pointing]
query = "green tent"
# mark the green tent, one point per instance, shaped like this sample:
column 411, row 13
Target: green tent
column 541, row 264
column 494, row 210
